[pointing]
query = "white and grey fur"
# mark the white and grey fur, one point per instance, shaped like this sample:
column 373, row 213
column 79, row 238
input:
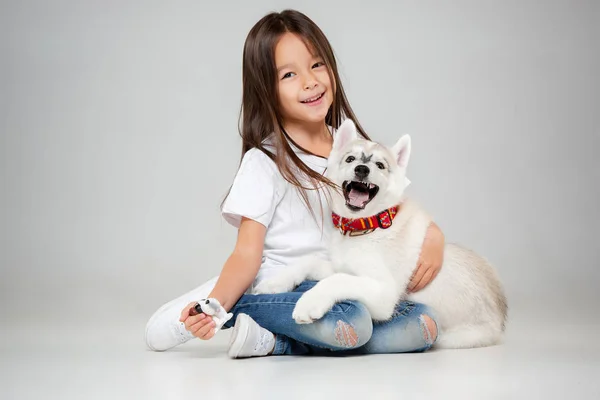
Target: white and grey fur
column 466, row 296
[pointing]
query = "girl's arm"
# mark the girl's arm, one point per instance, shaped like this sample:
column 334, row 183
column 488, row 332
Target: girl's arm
column 431, row 259
column 241, row 268
column 237, row 275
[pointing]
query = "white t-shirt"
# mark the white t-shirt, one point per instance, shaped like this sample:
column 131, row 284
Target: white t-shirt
column 259, row 192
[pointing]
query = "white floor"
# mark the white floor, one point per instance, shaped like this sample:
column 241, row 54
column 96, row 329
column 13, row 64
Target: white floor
column 62, row 361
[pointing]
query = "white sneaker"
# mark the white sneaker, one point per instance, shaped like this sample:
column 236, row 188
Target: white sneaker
column 163, row 330
column 249, row 339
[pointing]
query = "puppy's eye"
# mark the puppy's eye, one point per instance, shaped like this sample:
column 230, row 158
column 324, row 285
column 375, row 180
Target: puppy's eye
column 350, row 159
column 380, row 165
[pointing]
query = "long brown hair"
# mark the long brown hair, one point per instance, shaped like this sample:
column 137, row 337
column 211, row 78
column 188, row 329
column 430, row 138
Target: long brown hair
column 259, row 114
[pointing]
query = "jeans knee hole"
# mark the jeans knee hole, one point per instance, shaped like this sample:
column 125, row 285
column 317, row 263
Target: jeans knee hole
column 428, row 328
column 345, row 335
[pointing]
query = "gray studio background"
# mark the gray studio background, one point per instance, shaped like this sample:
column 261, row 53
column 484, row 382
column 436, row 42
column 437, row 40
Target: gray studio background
column 118, row 124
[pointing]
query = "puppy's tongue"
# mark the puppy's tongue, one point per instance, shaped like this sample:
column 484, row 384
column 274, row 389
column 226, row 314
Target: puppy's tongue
column 357, row 198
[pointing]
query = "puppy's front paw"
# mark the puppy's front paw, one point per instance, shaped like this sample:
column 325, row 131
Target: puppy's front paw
column 280, row 283
column 311, row 307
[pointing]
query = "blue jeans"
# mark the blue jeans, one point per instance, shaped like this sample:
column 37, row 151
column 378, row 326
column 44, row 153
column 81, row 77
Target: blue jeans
column 346, row 329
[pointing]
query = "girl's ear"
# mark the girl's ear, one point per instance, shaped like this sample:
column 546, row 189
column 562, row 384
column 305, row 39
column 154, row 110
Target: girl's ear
column 345, row 134
column 401, row 150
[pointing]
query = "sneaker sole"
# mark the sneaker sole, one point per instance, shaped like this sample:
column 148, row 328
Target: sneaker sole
column 240, row 330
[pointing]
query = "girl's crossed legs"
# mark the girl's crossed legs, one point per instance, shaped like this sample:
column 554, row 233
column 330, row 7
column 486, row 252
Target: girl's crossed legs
column 346, row 329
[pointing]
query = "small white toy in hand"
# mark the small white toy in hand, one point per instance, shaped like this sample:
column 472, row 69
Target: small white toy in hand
column 213, row 308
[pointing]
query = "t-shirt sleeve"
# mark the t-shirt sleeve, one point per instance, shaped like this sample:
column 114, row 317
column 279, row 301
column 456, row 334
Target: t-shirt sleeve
column 255, row 192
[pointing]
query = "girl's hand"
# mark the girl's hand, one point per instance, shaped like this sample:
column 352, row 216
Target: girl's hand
column 201, row 325
column 430, row 261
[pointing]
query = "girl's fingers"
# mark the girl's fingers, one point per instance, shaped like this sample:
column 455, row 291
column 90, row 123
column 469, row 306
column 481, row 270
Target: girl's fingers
column 185, row 313
column 203, row 331
column 209, row 335
column 417, row 275
column 426, row 279
column 196, row 324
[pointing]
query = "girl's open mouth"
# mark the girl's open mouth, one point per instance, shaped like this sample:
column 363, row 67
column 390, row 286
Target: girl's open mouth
column 313, row 100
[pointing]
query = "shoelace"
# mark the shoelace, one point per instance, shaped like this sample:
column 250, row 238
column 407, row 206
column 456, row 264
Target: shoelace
column 262, row 343
column 181, row 333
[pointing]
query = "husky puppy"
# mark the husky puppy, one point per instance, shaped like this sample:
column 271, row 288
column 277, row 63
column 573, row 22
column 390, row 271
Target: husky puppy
column 376, row 240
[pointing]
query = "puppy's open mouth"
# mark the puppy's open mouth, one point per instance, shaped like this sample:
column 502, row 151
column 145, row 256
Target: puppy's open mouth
column 358, row 194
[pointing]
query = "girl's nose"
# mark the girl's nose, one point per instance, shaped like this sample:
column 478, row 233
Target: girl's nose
column 310, row 83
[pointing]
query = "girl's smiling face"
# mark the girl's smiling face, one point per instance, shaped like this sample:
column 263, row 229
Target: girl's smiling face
column 305, row 90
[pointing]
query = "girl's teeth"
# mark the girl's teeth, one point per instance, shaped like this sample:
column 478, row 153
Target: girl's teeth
column 313, row 99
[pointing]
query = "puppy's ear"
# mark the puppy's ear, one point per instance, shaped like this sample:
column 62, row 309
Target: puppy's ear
column 345, row 134
column 401, row 150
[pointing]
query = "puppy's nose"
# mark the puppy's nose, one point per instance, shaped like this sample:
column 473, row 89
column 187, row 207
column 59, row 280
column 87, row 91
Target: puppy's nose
column 361, row 171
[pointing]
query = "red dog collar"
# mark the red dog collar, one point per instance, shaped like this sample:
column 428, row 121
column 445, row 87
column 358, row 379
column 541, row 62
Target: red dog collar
column 362, row 226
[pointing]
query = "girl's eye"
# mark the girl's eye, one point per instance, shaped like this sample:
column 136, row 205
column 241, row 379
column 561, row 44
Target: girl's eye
column 319, row 64
column 350, row 159
column 288, row 75
column 380, row 165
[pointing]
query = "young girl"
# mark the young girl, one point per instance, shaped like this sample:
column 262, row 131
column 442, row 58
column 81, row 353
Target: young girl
column 293, row 101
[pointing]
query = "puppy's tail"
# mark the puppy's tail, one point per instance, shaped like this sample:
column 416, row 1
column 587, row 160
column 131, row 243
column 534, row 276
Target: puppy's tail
column 470, row 336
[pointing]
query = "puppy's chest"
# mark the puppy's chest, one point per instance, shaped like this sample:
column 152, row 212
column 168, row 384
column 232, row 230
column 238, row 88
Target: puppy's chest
column 377, row 253
column 355, row 255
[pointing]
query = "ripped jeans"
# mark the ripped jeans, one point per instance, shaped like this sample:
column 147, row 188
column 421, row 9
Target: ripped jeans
column 346, row 329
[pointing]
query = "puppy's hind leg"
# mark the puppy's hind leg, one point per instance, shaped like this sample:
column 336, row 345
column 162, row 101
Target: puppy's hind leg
column 468, row 336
